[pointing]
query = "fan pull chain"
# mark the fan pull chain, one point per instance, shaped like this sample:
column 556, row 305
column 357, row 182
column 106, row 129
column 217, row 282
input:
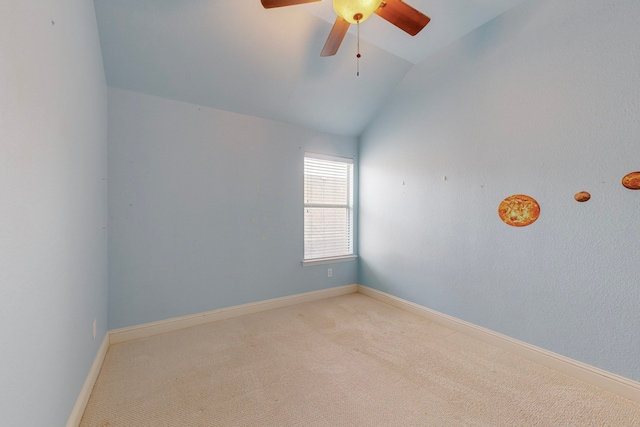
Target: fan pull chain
column 358, row 55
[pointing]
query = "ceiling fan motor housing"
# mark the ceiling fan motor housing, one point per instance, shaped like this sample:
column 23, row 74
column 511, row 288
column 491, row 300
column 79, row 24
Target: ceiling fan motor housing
column 354, row 11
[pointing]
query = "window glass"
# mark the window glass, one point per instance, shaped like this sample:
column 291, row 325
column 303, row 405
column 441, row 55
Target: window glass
column 328, row 206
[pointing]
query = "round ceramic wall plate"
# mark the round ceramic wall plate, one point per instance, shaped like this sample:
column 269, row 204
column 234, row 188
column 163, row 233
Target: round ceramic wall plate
column 582, row 196
column 519, row 210
column 632, row 181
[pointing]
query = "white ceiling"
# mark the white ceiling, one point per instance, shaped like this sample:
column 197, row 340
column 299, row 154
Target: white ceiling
column 237, row 56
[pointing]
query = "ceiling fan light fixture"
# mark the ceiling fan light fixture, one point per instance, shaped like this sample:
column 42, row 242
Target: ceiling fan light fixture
column 354, row 11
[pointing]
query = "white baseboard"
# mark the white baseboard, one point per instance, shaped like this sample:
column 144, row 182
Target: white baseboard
column 85, row 392
column 589, row 374
column 154, row 328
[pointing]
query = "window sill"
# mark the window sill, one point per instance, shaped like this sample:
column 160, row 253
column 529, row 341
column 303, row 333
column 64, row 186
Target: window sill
column 333, row 260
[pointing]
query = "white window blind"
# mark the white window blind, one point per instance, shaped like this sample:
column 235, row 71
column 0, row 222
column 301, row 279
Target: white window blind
column 328, row 206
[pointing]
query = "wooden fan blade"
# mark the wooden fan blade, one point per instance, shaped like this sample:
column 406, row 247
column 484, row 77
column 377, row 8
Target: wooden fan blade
column 403, row 16
column 336, row 35
column 268, row 4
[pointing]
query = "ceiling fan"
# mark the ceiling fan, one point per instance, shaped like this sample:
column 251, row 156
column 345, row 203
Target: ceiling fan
column 350, row 12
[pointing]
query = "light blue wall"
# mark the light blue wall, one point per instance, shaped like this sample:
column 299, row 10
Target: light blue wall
column 542, row 101
column 205, row 209
column 53, row 207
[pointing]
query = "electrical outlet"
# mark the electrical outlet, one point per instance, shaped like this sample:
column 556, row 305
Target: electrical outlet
column 94, row 328
column 329, row 272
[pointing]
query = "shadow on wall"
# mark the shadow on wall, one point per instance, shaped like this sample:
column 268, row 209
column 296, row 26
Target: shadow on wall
column 484, row 40
column 315, row 66
column 367, row 275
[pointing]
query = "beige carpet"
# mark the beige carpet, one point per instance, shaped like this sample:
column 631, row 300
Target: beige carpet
column 345, row 361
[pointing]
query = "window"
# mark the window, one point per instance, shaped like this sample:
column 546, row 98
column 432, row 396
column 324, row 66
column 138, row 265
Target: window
column 328, row 207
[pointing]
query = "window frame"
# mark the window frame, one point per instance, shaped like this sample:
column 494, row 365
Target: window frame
column 350, row 206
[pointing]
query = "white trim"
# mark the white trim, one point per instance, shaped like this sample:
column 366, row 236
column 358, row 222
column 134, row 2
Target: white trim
column 85, row 392
column 169, row 325
column 329, row 157
column 595, row 376
column 331, row 260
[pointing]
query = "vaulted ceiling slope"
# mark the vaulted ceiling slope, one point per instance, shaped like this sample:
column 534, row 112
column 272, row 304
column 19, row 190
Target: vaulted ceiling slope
column 235, row 55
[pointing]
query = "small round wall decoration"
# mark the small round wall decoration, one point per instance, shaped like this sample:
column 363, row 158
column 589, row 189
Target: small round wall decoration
column 582, row 196
column 519, row 210
column 632, row 181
